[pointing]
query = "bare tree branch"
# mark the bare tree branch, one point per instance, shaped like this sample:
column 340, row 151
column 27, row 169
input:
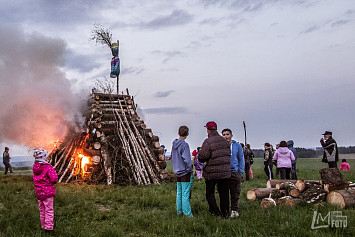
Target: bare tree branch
column 101, row 35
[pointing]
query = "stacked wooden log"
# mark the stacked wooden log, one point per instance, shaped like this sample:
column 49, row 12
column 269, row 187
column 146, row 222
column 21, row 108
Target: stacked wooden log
column 120, row 147
column 330, row 188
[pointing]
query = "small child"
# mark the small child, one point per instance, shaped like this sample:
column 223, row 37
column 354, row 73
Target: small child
column 198, row 165
column 182, row 166
column 344, row 165
column 44, row 178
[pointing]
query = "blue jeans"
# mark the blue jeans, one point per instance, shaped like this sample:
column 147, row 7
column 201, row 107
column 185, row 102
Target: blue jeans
column 293, row 171
column 183, row 197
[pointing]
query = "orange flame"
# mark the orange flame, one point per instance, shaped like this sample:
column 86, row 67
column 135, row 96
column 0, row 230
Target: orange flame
column 84, row 160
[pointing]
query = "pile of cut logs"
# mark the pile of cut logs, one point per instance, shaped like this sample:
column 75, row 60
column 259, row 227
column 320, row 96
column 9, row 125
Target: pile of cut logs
column 116, row 148
column 330, row 188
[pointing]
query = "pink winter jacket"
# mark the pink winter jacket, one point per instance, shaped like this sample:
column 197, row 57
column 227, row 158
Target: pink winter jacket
column 344, row 166
column 284, row 157
column 44, row 178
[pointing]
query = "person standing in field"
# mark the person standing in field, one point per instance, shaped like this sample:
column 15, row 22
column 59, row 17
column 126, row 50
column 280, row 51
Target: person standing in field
column 198, row 165
column 182, row 166
column 248, row 158
column 284, row 157
column 268, row 156
column 6, row 160
column 344, row 165
column 330, row 154
column 44, row 178
column 237, row 169
column 215, row 152
column 290, row 144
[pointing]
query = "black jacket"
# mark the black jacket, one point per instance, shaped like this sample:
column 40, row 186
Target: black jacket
column 330, row 146
column 268, row 156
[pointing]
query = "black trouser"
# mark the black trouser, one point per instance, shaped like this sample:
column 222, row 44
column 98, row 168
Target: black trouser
column 293, row 172
column 285, row 173
column 7, row 167
column 223, row 191
column 246, row 171
column 332, row 164
column 268, row 171
column 235, row 186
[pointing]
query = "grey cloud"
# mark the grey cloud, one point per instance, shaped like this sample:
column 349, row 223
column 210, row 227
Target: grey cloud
column 168, row 55
column 163, row 93
column 339, row 23
column 311, row 29
column 55, row 11
column 349, row 12
column 165, row 110
column 210, row 21
column 132, row 70
column 82, row 63
column 177, row 17
column 253, row 7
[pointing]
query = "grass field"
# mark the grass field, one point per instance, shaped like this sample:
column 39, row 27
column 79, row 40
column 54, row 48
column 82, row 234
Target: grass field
column 85, row 210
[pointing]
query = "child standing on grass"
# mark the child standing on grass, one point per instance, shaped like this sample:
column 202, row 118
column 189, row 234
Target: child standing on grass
column 44, row 178
column 198, row 165
column 182, row 166
column 344, row 165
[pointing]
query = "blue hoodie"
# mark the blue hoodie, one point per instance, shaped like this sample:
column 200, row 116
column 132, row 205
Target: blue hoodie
column 181, row 158
column 290, row 146
column 237, row 158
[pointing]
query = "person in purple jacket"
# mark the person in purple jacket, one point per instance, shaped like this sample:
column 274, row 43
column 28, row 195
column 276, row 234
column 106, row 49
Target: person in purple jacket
column 284, row 158
column 182, row 166
column 44, row 178
column 198, row 165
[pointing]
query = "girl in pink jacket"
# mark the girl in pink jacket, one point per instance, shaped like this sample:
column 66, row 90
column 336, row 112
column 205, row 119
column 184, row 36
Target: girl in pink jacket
column 44, row 178
column 284, row 158
column 344, row 165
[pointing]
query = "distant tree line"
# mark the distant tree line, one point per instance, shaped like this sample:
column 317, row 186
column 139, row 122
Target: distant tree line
column 309, row 153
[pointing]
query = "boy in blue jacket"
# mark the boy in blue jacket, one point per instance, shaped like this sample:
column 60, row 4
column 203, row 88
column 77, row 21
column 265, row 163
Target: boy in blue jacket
column 237, row 169
column 182, row 166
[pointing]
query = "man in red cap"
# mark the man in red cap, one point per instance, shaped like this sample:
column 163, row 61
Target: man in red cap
column 215, row 152
column 6, row 160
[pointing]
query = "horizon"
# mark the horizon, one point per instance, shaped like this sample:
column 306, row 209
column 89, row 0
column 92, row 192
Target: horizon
column 284, row 67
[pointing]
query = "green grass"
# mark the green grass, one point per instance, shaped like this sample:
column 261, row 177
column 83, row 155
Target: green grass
column 87, row 210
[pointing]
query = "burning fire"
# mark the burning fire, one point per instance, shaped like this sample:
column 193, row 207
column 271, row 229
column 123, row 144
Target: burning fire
column 84, row 160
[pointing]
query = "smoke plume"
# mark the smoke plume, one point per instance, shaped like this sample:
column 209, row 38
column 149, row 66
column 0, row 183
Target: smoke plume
column 37, row 106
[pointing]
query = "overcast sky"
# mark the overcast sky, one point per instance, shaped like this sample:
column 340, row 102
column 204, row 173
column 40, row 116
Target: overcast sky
column 286, row 68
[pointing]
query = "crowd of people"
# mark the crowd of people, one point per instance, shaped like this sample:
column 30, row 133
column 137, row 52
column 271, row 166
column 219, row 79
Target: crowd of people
column 222, row 162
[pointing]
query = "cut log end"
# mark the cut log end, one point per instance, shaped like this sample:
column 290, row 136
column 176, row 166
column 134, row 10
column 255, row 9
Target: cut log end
column 251, row 196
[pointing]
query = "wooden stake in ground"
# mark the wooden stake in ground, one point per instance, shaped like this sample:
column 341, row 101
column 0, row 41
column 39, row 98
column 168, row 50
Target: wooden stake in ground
column 342, row 198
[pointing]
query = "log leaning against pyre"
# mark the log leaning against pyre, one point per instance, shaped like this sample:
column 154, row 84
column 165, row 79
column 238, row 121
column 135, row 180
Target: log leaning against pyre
column 342, row 198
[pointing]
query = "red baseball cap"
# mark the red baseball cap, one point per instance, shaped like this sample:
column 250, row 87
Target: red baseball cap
column 211, row 125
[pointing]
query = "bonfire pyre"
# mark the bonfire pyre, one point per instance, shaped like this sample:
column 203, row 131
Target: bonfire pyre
column 116, row 148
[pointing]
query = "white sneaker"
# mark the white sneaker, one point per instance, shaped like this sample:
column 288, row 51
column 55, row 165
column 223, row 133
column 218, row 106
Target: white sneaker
column 234, row 214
